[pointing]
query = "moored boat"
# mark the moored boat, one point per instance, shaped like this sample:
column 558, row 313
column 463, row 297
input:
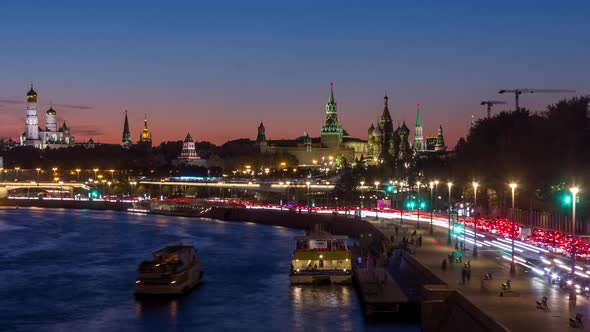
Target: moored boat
column 321, row 257
column 172, row 271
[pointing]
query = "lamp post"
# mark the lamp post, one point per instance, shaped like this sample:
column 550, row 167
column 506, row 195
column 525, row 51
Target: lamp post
column 418, row 198
column 327, row 191
column 574, row 191
column 363, row 194
column 307, row 183
column 431, row 207
column 95, row 170
column 38, row 169
column 288, row 193
column 475, row 185
column 512, row 264
column 450, row 184
column 61, row 194
column 16, row 169
column 435, row 192
column 78, row 171
column 376, row 200
column 112, row 174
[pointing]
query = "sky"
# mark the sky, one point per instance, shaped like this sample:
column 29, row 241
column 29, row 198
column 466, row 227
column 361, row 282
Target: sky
column 218, row 68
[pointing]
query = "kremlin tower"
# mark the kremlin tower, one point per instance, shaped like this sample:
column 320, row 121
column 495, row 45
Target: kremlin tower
column 126, row 141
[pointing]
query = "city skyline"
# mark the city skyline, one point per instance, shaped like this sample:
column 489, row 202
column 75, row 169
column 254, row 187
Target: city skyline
column 242, row 65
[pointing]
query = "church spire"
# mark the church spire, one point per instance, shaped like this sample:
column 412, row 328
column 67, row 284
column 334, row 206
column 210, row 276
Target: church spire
column 418, row 137
column 331, row 100
column 126, row 141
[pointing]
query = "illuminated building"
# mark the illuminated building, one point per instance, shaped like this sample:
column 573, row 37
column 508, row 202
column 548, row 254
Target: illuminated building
column 418, row 138
column 189, row 155
column 51, row 136
column 333, row 142
column 146, row 135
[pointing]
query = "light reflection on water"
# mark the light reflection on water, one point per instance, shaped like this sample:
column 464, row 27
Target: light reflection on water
column 75, row 270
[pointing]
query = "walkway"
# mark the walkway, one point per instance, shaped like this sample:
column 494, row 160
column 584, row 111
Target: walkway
column 517, row 311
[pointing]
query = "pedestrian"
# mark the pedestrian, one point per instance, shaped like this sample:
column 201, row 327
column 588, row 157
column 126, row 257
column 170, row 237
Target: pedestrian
column 420, row 240
column 444, row 265
column 457, row 245
column 469, row 263
column 360, row 261
column 463, row 275
column 468, row 274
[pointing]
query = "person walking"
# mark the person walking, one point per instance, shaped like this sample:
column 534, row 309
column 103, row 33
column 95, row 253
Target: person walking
column 444, row 265
column 463, row 275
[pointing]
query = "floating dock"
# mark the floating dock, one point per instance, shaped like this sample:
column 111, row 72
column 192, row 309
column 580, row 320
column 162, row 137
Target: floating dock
column 380, row 294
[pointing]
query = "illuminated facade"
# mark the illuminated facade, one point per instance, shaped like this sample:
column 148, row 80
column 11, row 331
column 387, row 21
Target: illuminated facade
column 333, row 142
column 145, row 136
column 51, row 136
column 189, row 155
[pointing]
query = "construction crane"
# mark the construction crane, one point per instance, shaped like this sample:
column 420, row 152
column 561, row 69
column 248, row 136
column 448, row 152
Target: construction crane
column 490, row 103
column 518, row 92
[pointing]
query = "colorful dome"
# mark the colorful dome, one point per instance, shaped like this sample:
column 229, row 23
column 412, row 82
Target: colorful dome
column 51, row 111
column 32, row 95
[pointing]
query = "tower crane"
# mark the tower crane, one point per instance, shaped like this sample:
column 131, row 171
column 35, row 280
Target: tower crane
column 518, row 92
column 490, row 103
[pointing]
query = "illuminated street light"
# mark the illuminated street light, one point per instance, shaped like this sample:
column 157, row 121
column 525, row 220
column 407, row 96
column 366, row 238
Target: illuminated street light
column 16, row 169
column 308, row 183
column 574, row 191
column 95, row 170
column 363, row 194
column 431, row 206
column 78, row 171
column 450, row 185
column 512, row 263
column 38, row 170
column 418, row 194
column 112, row 174
column 475, row 185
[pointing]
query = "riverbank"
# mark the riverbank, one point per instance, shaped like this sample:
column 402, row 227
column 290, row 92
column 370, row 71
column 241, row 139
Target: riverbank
column 336, row 224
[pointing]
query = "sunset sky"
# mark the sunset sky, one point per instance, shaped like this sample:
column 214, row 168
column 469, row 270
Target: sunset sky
column 217, row 68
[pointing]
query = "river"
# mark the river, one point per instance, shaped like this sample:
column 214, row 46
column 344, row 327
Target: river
column 74, row 270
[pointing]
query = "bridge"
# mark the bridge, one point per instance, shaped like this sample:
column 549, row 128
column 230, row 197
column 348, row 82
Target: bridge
column 277, row 187
column 5, row 187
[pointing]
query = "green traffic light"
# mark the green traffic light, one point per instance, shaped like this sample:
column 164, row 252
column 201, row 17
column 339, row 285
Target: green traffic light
column 567, row 200
column 389, row 189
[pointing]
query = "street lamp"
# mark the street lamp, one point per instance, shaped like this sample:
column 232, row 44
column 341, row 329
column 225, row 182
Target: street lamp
column 376, row 192
column 112, row 174
column 78, row 171
column 435, row 192
column 512, row 264
column 376, row 200
column 431, row 206
column 418, row 197
column 95, row 170
column 308, row 183
column 327, row 192
column 16, row 169
column 574, row 191
column 288, row 193
column 475, row 185
column 450, row 184
column 363, row 194
column 61, row 194
column 38, row 170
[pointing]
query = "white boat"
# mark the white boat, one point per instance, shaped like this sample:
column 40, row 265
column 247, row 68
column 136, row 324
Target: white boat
column 173, row 271
column 321, row 257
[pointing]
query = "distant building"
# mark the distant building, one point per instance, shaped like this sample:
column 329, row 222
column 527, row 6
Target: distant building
column 189, row 155
column 385, row 142
column 430, row 143
column 440, row 141
column 333, row 142
column 418, row 138
column 126, row 141
column 145, row 136
column 50, row 136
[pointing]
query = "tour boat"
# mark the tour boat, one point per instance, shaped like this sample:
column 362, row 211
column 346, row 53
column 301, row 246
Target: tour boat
column 174, row 270
column 321, row 257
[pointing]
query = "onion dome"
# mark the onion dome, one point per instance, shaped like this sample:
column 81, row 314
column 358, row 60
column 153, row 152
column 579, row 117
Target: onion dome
column 404, row 129
column 51, row 111
column 377, row 132
column 32, row 95
column 371, row 129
